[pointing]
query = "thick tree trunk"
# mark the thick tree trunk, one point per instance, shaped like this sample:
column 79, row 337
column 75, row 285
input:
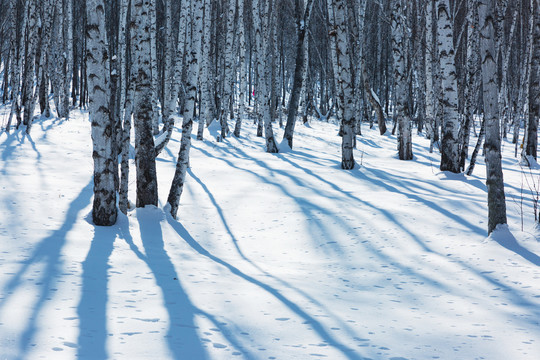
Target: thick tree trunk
column 399, row 50
column 145, row 155
column 449, row 96
column 492, row 146
column 104, row 211
column 337, row 11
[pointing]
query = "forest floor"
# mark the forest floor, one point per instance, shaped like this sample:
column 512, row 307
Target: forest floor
column 273, row 256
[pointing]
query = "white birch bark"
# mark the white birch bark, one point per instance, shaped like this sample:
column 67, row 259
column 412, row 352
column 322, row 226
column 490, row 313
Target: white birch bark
column 534, row 83
column 176, row 74
column 492, row 146
column 58, row 60
column 228, row 75
column 337, row 13
column 16, row 46
column 449, row 95
column 472, row 89
column 68, row 56
column 154, row 68
column 104, row 210
column 145, row 155
column 30, row 61
column 399, row 51
column 430, row 88
column 192, row 60
column 242, row 66
column 46, row 20
column 261, row 21
column 204, row 70
column 123, row 200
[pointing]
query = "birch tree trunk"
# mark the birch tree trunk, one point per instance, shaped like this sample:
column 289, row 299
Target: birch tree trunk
column 30, row 62
column 145, row 155
column 472, row 89
column 192, row 60
column 534, row 84
column 261, row 20
column 204, row 70
column 176, row 80
column 430, row 88
column 125, row 108
column 16, row 40
column 228, row 71
column 302, row 22
column 242, row 66
column 104, row 210
column 492, row 146
column 399, row 50
column 449, row 96
column 337, row 13
column 42, row 63
column 68, row 55
column 154, row 68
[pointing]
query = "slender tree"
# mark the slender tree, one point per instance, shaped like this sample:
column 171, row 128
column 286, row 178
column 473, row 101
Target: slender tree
column 192, row 62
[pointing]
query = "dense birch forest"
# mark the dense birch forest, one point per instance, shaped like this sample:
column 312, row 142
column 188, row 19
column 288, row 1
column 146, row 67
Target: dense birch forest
column 457, row 72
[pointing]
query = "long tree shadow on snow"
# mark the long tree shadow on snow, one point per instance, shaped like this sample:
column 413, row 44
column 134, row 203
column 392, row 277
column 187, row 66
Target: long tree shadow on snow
column 385, row 184
column 48, row 251
column 182, row 337
column 317, row 326
column 92, row 308
column 245, row 257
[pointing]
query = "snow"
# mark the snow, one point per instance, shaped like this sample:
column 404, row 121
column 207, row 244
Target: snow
column 274, row 256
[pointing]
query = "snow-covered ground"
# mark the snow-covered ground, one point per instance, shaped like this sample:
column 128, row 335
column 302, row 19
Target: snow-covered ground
column 274, row 256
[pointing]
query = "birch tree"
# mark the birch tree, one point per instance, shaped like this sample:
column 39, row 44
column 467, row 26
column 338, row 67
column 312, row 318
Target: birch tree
column 104, row 211
column 337, row 13
column 192, row 61
column 303, row 15
column 242, row 66
column 262, row 31
column 492, row 146
column 534, row 83
column 449, row 96
column 399, row 50
column 205, row 71
column 145, row 154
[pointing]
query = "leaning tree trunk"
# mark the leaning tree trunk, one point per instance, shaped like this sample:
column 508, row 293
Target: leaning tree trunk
column 302, row 22
column 492, row 146
column 145, row 154
column 192, row 60
column 449, row 96
column 176, row 73
column 104, row 210
column 337, row 12
column 399, row 50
